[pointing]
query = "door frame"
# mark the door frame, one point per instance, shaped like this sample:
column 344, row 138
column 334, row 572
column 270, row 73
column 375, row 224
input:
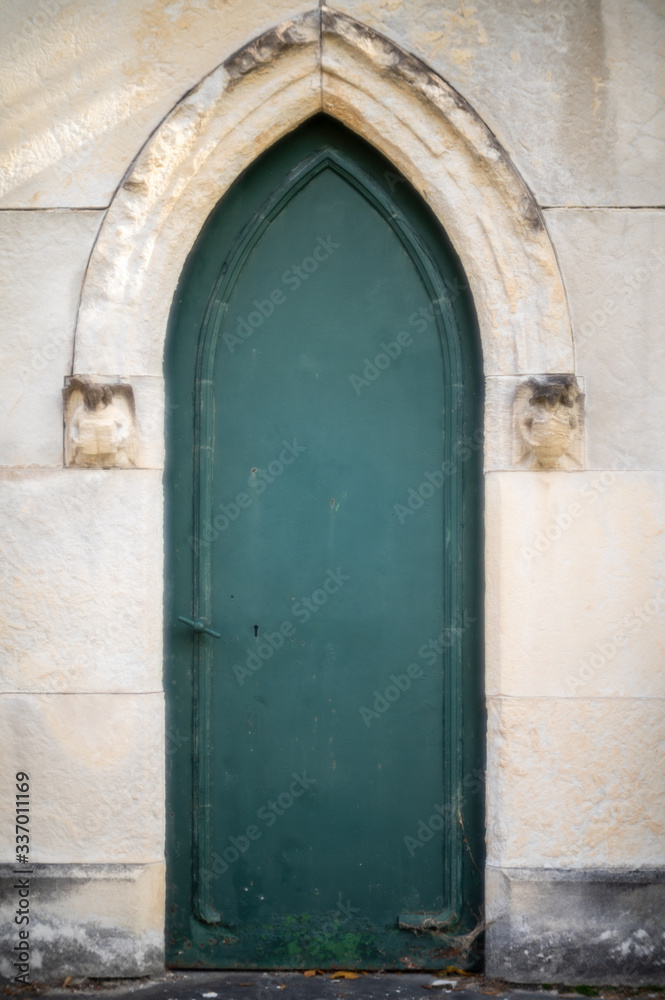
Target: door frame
column 325, row 61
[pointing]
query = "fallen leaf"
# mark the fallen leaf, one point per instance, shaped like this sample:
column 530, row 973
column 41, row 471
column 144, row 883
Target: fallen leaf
column 458, row 972
column 345, row 975
column 68, row 979
column 309, row 973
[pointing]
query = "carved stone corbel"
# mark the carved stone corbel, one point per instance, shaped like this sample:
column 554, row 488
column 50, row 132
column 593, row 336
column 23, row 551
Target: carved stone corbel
column 100, row 424
column 548, row 423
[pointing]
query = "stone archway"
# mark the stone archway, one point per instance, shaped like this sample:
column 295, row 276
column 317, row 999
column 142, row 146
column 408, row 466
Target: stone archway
column 322, row 61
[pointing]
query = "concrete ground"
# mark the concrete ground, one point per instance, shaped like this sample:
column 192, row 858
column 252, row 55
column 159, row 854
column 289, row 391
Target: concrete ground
column 185, row 985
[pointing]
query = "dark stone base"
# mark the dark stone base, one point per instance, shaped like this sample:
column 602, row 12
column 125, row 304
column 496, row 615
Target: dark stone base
column 560, row 926
column 102, row 921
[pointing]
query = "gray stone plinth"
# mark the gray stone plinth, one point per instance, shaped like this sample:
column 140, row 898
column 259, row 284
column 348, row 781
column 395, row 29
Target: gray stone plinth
column 85, row 920
column 572, row 926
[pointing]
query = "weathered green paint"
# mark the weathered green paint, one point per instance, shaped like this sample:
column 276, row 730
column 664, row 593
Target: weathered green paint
column 325, row 756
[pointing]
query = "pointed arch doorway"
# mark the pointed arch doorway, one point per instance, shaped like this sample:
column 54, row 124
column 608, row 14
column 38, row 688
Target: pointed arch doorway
column 323, row 500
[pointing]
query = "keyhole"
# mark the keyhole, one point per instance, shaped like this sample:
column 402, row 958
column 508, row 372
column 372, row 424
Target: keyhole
column 256, row 630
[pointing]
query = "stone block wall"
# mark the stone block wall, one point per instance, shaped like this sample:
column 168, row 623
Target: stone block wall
column 575, row 558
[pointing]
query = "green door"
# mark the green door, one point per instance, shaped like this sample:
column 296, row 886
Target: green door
column 323, row 582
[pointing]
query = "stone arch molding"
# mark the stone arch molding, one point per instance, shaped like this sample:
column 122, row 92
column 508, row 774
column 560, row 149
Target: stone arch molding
column 322, row 61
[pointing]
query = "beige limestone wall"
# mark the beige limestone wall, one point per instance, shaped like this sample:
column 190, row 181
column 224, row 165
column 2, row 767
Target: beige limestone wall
column 613, row 267
column 88, row 83
column 82, row 581
column 576, row 669
column 573, row 92
column 96, row 766
column 44, row 256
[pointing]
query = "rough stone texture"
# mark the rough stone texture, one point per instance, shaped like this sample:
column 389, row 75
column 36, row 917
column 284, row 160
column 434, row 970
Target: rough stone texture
column 565, row 70
column 548, row 421
column 603, row 926
column 215, row 132
column 150, row 409
column 613, row 265
column 439, row 142
column 575, row 566
column 502, row 440
column 93, row 82
column 96, row 766
column 576, row 783
column 100, row 424
column 43, row 256
column 573, row 91
column 93, row 920
column 81, row 572
column 384, row 94
column 94, row 113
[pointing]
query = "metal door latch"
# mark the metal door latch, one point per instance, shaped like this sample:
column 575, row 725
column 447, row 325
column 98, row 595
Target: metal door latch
column 200, row 626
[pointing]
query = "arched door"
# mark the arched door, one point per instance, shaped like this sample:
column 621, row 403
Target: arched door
column 323, row 620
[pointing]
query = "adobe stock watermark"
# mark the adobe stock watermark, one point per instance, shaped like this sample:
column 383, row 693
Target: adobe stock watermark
column 433, row 481
column 633, row 282
column 57, row 149
column 572, row 511
column 34, row 23
column 302, row 610
column 429, row 652
column 292, row 279
column 342, row 914
column 175, row 740
column 268, row 814
column 41, row 358
column 606, row 650
column 258, row 482
column 326, row 928
column 390, row 351
column 127, row 802
column 75, row 668
column 427, row 829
